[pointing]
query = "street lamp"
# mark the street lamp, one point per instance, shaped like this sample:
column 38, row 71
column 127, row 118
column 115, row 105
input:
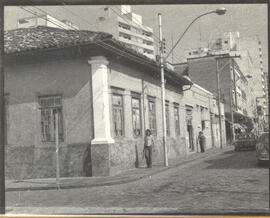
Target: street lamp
column 219, row 11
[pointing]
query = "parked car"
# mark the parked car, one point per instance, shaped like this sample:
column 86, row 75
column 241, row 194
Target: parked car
column 245, row 141
column 262, row 148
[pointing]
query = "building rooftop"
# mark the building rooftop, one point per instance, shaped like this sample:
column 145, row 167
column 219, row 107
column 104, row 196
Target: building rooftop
column 42, row 37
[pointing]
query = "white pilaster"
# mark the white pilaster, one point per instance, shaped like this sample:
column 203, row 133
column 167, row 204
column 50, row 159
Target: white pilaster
column 100, row 100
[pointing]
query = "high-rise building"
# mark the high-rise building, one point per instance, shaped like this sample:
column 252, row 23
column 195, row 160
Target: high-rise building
column 266, row 98
column 253, row 45
column 128, row 28
column 45, row 20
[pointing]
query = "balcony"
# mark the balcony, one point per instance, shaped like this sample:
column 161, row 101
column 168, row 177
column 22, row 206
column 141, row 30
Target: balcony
column 129, row 40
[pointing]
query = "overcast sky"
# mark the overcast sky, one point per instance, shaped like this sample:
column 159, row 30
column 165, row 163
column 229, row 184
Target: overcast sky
column 248, row 19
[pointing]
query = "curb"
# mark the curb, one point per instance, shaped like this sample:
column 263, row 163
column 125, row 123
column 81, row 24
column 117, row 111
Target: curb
column 117, row 182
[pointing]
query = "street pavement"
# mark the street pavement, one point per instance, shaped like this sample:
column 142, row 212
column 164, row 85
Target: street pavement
column 221, row 182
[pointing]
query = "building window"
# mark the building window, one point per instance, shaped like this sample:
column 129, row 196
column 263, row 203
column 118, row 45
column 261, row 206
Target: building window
column 147, row 42
column 118, row 114
column 203, row 124
column 177, row 121
column 125, row 36
column 124, row 26
column 149, row 34
column 152, row 115
column 147, row 51
column 167, row 119
column 49, row 107
column 23, row 21
column 136, row 115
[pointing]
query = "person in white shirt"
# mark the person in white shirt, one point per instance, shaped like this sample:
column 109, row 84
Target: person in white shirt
column 148, row 146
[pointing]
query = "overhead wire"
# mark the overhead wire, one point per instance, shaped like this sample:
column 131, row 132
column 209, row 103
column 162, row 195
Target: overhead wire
column 119, row 51
column 107, row 46
column 104, row 44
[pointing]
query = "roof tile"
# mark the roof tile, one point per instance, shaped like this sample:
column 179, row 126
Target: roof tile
column 40, row 37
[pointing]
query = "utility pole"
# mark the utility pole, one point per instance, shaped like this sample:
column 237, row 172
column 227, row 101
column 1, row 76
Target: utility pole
column 172, row 45
column 143, row 107
column 232, row 118
column 2, row 130
column 218, row 88
column 219, row 109
column 232, row 109
column 162, row 91
column 57, row 149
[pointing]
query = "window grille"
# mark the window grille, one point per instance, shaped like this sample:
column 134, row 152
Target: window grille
column 118, row 114
column 136, row 116
column 152, row 116
column 49, row 107
column 176, row 118
column 167, row 119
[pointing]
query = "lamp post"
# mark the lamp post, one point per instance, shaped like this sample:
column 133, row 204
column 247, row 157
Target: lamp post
column 219, row 11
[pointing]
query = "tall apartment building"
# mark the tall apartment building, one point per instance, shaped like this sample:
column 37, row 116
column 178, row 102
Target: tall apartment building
column 128, row 28
column 254, row 46
column 45, row 20
column 266, row 97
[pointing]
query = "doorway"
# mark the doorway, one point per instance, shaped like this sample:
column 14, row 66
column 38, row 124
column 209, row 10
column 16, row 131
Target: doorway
column 190, row 137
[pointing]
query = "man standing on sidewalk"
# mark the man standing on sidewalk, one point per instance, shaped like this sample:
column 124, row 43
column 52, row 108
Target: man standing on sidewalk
column 148, row 146
column 201, row 141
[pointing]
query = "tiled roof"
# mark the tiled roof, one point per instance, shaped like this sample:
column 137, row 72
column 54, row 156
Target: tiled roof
column 25, row 39
column 42, row 37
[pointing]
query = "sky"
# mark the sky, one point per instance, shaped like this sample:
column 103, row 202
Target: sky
column 247, row 19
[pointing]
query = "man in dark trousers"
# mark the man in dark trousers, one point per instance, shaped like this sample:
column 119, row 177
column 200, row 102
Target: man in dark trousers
column 148, row 146
column 201, row 141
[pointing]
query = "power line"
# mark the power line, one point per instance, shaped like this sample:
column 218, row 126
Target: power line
column 84, row 20
column 102, row 44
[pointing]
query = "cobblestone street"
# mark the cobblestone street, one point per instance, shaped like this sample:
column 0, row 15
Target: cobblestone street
column 225, row 183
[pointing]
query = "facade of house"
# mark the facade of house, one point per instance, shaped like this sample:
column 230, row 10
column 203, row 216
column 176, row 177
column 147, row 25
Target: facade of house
column 96, row 100
column 202, row 115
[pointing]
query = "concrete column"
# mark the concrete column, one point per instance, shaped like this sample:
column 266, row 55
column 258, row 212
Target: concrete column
column 100, row 100
column 100, row 145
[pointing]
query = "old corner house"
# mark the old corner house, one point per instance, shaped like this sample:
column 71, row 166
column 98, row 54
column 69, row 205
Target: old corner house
column 103, row 95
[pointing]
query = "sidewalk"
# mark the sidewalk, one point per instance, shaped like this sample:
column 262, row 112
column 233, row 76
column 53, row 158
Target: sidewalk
column 124, row 177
